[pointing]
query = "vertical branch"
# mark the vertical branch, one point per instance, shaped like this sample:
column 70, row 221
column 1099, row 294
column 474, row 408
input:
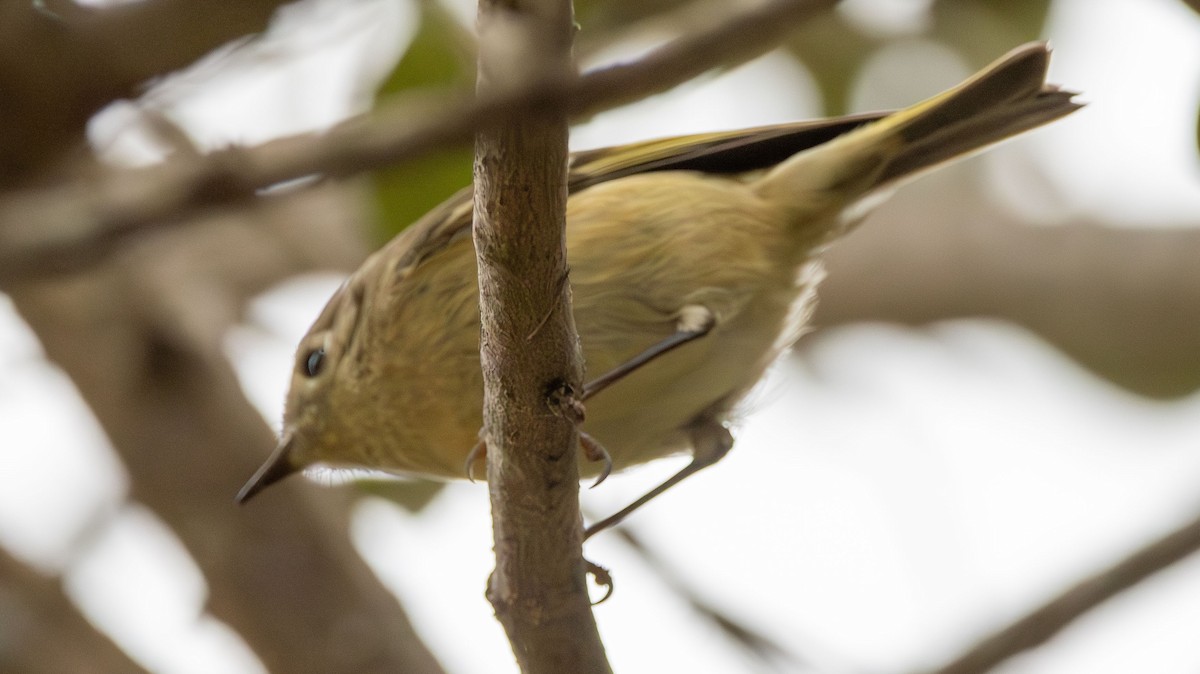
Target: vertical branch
column 529, row 348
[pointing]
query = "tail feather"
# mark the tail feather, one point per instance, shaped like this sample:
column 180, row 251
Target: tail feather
column 975, row 133
column 1005, row 99
column 1015, row 77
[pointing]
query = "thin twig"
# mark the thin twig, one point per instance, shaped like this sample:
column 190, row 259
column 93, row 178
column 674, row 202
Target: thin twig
column 736, row 40
column 767, row 650
column 1037, row 627
column 61, row 62
column 75, row 224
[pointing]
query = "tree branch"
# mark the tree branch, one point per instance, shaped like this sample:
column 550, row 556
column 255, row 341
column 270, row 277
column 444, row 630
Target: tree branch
column 1120, row 301
column 531, row 364
column 60, row 63
column 739, row 39
column 50, row 230
column 1040, row 625
column 44, row 633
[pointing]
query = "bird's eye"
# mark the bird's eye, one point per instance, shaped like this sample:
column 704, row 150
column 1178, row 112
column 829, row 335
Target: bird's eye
column 314, row 361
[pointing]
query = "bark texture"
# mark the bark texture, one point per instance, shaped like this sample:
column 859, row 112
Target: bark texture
column 532, row 366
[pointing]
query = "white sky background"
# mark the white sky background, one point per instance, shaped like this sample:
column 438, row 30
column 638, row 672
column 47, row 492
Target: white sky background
column 895, row 493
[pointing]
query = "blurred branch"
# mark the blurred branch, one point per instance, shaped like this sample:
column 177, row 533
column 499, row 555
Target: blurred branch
column 47, row 231
column 142, row 337
column 42, row 632
column 1121, row 301
column 738, row 39
column 690, row 17
column 767, row 650
column 1039, row 626
column 603, row 16
column 61, row 62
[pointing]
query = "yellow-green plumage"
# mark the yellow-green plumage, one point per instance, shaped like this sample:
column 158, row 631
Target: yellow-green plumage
column 730, row 224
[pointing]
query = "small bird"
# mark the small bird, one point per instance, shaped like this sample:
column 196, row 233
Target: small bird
column 693, row 266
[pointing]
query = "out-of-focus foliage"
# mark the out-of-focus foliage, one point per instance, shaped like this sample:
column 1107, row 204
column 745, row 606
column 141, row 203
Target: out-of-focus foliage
column 982, row 29
column 441, row 56
column 834, row 47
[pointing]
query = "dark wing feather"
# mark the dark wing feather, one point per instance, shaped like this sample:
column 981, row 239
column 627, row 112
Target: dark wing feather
column 728, row 153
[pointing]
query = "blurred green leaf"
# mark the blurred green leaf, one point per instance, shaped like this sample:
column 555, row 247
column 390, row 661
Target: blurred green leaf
column 833, row 50
column 410, row 494
column 405, row 192
column 982, row 30
column 441, row 56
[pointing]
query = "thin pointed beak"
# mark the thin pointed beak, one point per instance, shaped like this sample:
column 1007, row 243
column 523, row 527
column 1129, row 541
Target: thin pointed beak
column 277, row 466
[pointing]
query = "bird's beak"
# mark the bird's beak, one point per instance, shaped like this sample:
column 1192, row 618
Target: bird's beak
column 277, row 466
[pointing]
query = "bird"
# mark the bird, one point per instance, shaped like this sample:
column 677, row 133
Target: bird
column 694, row 263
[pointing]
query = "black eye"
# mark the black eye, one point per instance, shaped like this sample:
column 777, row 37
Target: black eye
column 314, row 361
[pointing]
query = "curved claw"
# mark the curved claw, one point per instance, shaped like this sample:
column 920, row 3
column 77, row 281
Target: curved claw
column 602, row 577
column 604, row 473
column 594, row 451
column 477, row 451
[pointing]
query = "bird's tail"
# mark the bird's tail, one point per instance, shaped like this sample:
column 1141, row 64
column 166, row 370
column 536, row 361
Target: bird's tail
column 1008, row 97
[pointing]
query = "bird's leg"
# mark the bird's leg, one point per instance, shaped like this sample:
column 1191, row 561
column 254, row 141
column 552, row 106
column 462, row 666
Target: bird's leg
column 710, row 443
column 695, row 321
column 710, row 440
